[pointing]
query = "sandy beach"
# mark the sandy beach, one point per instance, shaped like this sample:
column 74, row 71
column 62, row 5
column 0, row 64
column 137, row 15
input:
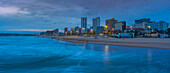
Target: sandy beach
column 159, row 43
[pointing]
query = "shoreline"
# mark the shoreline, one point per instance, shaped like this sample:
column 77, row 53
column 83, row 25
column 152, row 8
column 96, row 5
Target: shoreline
column 157, row 43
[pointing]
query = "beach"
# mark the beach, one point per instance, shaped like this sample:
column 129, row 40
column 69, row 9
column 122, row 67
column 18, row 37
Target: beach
column 159, row 43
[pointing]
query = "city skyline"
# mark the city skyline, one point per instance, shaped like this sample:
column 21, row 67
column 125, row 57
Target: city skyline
column 112, row 26
column 18, row 15
column 84, row 36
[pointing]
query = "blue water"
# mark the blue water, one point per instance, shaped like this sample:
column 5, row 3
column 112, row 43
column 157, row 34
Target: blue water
column 21, row 32
column 33, row 54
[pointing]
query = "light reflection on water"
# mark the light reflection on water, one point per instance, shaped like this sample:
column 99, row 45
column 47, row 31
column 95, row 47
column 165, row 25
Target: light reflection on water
column 32, row 54
column 149, row 56
column 106, row 50
column 106, row 55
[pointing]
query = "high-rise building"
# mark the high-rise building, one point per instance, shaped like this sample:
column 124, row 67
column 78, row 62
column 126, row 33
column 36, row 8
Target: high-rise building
column 96, row 23
column 123, row 26
column 108, row 24
column 163, row 25
column 83, row 24
column 151, row 25
column 65, row 31
column 120, row 26
column 141, row 24
column 141, row 21
column 111, row 24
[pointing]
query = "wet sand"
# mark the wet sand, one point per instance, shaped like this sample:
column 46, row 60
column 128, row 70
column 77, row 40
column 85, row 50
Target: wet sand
column 159, row 43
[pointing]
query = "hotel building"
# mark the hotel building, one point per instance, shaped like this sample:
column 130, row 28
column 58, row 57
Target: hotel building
column 83, row 24
column 96, row 23
column 111, row 24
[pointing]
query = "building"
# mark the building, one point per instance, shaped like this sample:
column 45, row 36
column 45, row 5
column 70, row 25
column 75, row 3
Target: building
column 77, row 29
column 123, row 26
column 141, row 21
column 128, row 27
column 120, row 26
column 108, row 24
column 140, row 24
column 72, row 31
column 83, row 24
column 133, row 25
column 100, row 29
column 91, row 27
column 111, row 24
column 88, row 30
column 42, row 33
column 56, row 32
column 48, row 32
column 96, row 23
column 151, row 25
column 65, row 31
column 163, row 25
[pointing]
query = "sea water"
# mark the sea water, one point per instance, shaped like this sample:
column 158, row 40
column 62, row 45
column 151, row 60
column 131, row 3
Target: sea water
column 34, row 54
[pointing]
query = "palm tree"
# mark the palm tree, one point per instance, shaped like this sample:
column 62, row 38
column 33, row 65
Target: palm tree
column 168, row 31
column 162, row 31
column 131, row 31
column 156, row 30
column 136, row 32
column 127, row 31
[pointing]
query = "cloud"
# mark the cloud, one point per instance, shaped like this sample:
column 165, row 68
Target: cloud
column 12, row 10
column 51, row 14
column 27, row 29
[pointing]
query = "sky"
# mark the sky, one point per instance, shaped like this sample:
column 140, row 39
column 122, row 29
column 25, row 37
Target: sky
column 41, row 15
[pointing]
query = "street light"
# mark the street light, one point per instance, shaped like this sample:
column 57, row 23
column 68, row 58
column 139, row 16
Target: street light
column 77, row 31
column 71, row 32
column 65, row 33
column 149, row 28
column 83, row 29
column 105, row 28
column 92, row 31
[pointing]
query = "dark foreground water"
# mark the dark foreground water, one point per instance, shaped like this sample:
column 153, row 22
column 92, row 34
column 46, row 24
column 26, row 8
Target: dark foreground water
column 33, row 54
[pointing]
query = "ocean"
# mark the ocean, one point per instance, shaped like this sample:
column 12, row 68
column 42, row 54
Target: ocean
column 19, row 54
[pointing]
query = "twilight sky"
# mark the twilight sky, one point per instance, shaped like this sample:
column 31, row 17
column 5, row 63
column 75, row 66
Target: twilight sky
column 38, row 15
